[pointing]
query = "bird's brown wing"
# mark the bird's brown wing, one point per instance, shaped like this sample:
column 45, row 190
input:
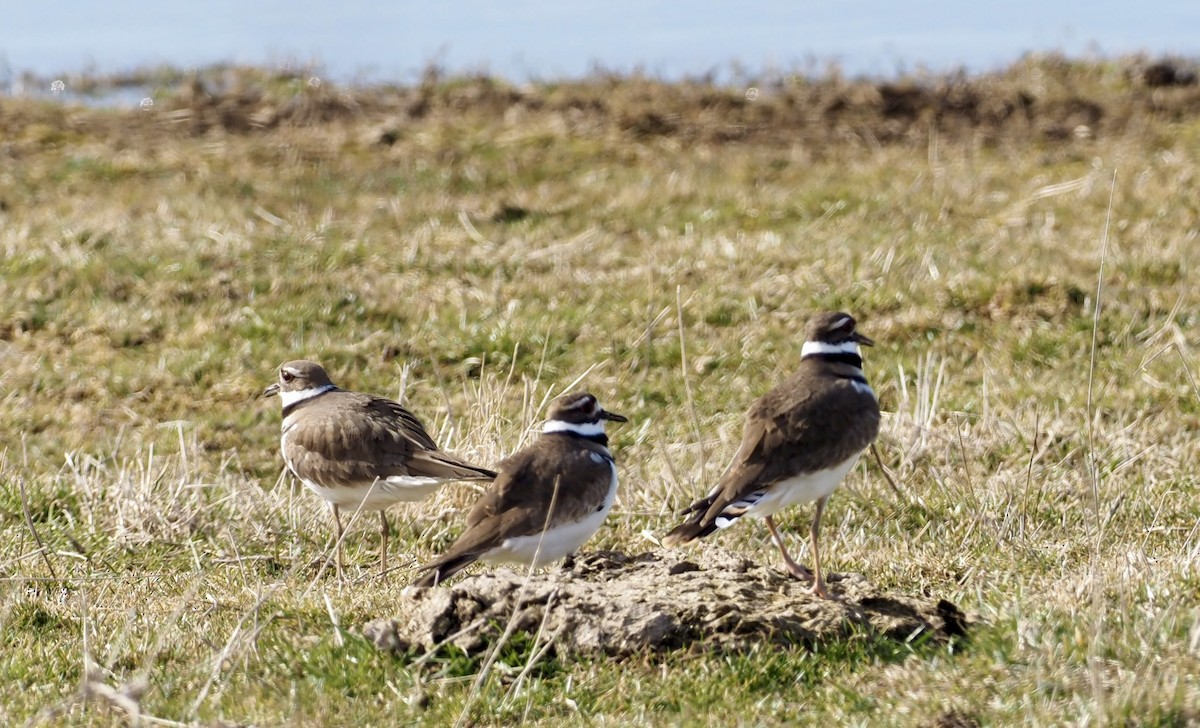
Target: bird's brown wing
column 517, row 502
column 372, row 438
column 793, row 430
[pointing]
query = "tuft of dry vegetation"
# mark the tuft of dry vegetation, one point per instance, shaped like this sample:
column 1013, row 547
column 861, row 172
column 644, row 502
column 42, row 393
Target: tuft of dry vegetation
column 1023, row 246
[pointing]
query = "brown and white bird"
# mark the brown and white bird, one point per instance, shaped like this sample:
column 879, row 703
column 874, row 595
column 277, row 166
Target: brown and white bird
column 358, row 450
column 799, row 441
column 547, row 500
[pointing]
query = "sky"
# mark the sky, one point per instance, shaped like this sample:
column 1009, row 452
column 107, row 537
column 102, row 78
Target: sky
column 524, row 40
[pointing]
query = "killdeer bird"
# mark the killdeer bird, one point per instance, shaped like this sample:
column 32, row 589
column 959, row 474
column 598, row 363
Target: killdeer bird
column 547, row 499
column 799, row 441
column 358, row 450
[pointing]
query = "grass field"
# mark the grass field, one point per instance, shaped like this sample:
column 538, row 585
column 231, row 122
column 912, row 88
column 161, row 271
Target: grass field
column 1022, row 246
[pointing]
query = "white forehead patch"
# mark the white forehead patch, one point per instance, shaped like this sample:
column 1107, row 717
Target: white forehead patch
column 812, row 348
column 584, row 404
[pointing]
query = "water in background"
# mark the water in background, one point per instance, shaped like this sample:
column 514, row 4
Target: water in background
column 523, row 40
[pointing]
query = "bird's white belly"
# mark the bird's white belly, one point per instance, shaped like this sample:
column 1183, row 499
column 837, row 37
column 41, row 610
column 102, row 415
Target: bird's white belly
column 378, row 495
column 556, row 542
column 801, row 489
column 384, row 494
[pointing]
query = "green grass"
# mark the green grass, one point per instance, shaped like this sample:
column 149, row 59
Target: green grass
column 157, row 267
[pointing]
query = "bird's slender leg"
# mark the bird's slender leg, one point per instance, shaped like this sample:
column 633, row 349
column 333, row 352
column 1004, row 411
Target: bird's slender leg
column 337, row 525
column 383, row 549
column 797, row 570
column 818, row 586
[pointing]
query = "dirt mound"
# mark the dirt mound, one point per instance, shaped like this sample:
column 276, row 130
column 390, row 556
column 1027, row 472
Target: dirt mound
column 612, row 604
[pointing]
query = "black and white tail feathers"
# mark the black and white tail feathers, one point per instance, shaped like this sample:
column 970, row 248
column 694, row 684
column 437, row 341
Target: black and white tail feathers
column 701, row 524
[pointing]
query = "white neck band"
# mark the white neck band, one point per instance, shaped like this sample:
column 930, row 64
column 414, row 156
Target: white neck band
column 291, row 398
column 586, row 429
column 812, row 348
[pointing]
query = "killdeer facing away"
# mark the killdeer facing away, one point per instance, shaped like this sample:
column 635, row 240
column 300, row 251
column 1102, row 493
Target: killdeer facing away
column 547, row 499
column 357, row 449
column 799, row 441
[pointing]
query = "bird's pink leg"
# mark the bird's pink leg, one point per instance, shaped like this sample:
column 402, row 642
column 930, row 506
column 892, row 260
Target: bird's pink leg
column 800, row 571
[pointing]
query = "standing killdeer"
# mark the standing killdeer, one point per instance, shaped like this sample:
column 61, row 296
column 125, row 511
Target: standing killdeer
column 799, row 441
column 547, row 500
column 358, row 450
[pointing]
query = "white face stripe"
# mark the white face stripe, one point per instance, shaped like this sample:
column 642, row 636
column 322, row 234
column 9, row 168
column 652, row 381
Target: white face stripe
column 586, row 429
column 290, row 398
column 820, row 347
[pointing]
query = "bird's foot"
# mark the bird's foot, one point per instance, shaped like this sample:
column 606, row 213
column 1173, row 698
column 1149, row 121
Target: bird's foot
column 819, row 590
column 800, row 571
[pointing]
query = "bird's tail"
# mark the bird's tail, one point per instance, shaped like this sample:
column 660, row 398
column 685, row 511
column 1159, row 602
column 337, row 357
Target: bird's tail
column 436, row 572
column 702, row 521
column 437, row 464
column 690, row 530
column 695, row 526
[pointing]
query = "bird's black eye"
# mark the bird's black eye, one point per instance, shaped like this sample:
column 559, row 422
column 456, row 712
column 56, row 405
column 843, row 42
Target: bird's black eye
column 286, row 376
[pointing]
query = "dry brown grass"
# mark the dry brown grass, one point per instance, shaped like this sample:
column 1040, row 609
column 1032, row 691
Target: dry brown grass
column 476, row 248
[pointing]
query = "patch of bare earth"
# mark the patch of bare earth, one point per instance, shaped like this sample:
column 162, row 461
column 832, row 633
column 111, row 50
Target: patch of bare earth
column 607, row 603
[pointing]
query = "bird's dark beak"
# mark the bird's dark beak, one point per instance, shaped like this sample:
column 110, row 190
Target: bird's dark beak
column 863, row 339
column 270, row 391
column 612, row 416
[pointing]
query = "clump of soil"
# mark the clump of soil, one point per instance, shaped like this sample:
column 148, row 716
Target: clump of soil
column 607, row 603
